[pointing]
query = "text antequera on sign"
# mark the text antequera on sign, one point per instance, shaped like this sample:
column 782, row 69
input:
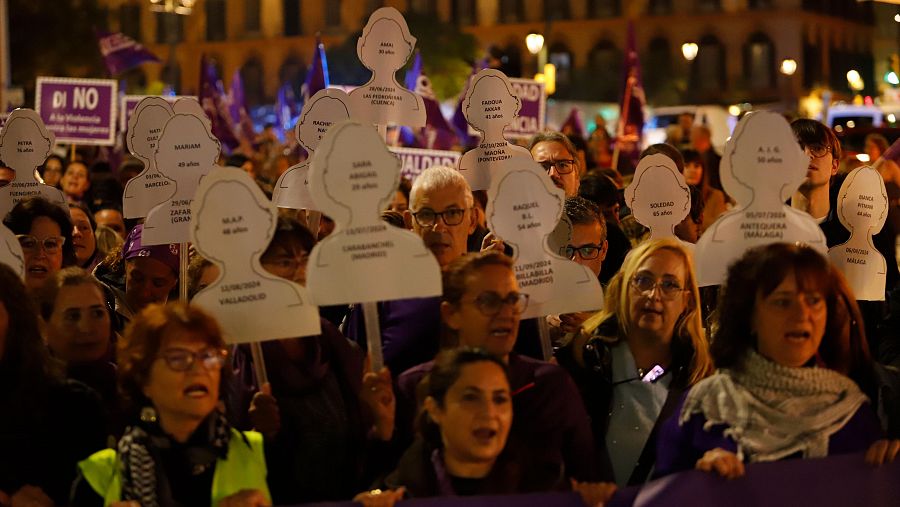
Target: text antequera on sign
column 78, row 111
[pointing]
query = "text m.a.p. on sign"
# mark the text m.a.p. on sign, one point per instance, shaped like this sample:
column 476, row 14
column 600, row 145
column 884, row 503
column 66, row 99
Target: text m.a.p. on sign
column 79, row 111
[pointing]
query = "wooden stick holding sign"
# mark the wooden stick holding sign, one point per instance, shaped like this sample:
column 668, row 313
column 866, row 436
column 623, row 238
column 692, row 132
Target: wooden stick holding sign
column 233, row 224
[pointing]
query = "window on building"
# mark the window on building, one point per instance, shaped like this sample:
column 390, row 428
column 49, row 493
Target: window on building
column 659, row 7
column 130, row 20
column 169, row 28
column 292, row 72
column 759, row 61
column 252, row 16
column 291, row 12
column 604, row 8
column 812, row 66
column 333, row 13
column 252, row 79
column 556, row 9
column 709, row 5
column 708, row 69
column 215, row 20
column 657, row 66
column 605, row 62
column 760, row 4
column 512, row 11
column 171, row 75
column 559, row 55
column 465, row 12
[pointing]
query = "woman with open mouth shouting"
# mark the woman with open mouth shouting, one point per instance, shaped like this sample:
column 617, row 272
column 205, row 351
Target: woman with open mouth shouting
column 181, row 449
column 795, row 378
column 44, row 231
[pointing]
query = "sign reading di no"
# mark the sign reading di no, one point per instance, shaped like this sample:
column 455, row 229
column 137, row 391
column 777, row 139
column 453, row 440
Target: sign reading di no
column 79, row 111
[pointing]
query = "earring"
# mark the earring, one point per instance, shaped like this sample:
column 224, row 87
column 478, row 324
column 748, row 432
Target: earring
column 148, row 415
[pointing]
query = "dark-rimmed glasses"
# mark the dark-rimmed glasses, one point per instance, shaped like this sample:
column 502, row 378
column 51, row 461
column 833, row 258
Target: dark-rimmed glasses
column 586, row 252
column 562, row 166
column 490, row 303
column 179, row 359
column 427, row 217
column 816, row 150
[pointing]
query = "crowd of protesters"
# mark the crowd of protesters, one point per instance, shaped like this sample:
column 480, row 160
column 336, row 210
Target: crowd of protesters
column 116, row 394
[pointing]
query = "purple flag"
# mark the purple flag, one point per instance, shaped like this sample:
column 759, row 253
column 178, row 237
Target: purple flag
column 437, row 133
column 286, row 107
column 317, row 75
column 631, row 115
column 574, row 124
column 121, row 52
column 237, row 107
column 212, row 98
column 459, row 118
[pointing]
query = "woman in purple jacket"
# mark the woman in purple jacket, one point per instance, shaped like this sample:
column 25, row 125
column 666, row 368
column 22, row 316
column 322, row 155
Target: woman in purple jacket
column 794, row 370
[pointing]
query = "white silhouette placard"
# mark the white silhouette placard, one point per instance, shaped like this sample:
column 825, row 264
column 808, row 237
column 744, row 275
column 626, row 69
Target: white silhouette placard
column 765, row 164
column 658, row 196
column 384, row 47
column 862, row 207
column 524, row 209
column 352, row 178
column 11, row 252
column 321, row 111
column 185, row 153
column 25, row 143
column 489, row 107
column 149, row 187
column 233, row 224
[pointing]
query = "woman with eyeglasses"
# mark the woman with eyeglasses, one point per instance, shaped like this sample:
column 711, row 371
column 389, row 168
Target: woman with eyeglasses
column 795, row 378
column 47, row 423
column 44, row 231
column 634, row 359
column 481, row 308
column 181, row 450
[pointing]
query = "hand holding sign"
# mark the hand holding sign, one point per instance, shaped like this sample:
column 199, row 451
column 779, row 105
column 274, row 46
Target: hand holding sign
column 384, row 47
column 862, row 209
column 11, row 252
column 186, row 152
column 524, row 204
column 658, row 196
column 765, row 164
column 233, row 224
column 352, row 177
column 148, row 188
column 25, row 143
column 489, row 106
column 324, row 109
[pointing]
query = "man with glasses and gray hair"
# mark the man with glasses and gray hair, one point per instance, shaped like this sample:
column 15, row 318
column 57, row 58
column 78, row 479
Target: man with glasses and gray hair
column 558, row 156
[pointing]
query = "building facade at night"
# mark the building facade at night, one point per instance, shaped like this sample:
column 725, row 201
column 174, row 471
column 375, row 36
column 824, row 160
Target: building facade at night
column 741, row 42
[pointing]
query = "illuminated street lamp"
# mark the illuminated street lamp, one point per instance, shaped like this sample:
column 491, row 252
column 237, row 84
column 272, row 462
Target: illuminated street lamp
column 897, row 18
column 534, row 42
column 855, row 80
column 788, row 66
column 690, row 50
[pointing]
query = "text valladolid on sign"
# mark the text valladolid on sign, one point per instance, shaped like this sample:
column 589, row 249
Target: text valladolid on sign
column 79, row 111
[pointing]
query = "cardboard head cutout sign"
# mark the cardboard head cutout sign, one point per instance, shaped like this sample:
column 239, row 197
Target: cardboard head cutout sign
column 352, row 177
column 148, row 188
column 25, row 143
column 320, row 112
column 658, row 196
column 11, row 252
column 766, row 161
column 524, row 209
column 233, row 225
column 186, row 152
column 489, row 106
column 863, row 209
column 384, row 47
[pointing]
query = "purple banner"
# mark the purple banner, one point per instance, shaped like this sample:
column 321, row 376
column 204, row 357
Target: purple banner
column 130, row 102
column 79, row 111
column 414, row 160
column 532, row 114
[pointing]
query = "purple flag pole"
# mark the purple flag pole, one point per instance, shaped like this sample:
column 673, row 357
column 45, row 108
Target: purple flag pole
column 631, row 116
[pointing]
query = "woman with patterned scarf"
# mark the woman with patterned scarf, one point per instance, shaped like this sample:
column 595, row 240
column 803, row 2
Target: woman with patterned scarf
column 794, row 374
column 182, row 451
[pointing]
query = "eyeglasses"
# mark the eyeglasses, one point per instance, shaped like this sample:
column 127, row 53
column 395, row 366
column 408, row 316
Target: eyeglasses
column 427, row 217
column 490, row 303
column 562, row 166
column 288, row 265
column 816, row 150
column 646, row 284
column 586, row 252
column 179, row 359
column 50, row 244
